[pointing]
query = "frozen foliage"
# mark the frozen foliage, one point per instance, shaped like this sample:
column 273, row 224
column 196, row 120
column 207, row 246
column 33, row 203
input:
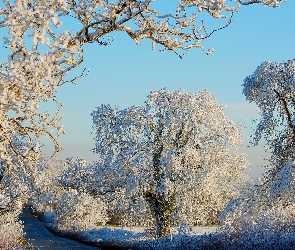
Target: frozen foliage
column 46, row 189
column 30, row 74
column 79, row 211
column 272, row 87
column 264, row 217
column 70, row 209
column 40, row 51
column 14, row 192
column 171, row 160
column 11, row 235
column 257, row 223
column 282, row 186
column 82, row 176
column 15, row 189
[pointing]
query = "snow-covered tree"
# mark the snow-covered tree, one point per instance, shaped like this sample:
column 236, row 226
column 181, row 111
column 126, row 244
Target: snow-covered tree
column 272, row 88
column 173, row 157
column 41, row 50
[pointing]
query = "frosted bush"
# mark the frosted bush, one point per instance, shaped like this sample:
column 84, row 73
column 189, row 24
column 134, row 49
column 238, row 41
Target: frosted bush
column 270, row 206
column 246, row 215
column 278, row 218
column 46, row 183
column 79, row 211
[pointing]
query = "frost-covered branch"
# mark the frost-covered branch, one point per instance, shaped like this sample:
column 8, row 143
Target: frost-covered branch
column 271, row 3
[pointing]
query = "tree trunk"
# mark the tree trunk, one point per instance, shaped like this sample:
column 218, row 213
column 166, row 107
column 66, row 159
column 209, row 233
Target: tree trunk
column 162, row 209
column 161, row 205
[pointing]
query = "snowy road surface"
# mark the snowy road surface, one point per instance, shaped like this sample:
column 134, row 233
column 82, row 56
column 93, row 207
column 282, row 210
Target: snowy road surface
column 38, row 236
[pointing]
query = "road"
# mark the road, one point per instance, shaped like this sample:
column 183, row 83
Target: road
column 38, row 236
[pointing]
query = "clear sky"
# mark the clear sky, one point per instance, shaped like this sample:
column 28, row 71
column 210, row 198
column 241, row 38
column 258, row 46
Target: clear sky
column 123, row 73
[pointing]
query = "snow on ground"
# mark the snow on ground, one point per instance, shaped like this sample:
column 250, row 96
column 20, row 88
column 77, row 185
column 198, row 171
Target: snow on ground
column 140, row 237
column 116, row 234
column 201, row 238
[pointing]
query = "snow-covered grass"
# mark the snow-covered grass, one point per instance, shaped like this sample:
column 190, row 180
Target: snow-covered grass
column 223, row 241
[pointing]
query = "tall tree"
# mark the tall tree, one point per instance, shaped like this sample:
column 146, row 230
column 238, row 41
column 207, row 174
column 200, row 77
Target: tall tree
column 174, row 156
column 272, row 88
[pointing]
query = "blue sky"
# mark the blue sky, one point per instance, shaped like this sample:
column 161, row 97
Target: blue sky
column 123, row 73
